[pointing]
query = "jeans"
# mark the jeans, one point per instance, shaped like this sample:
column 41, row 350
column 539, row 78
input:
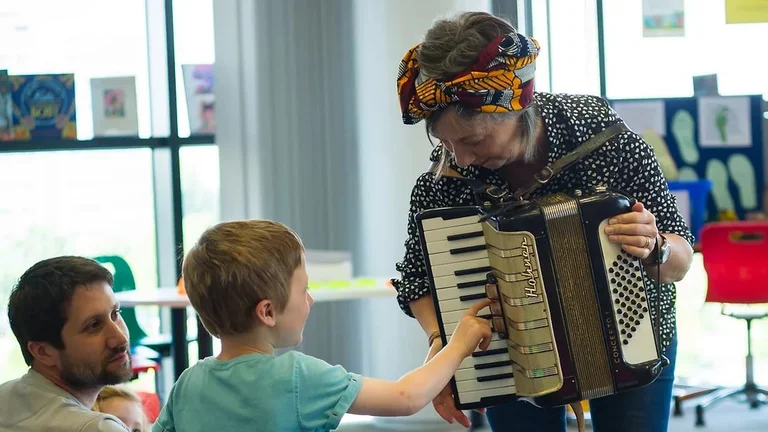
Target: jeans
column 645, row 409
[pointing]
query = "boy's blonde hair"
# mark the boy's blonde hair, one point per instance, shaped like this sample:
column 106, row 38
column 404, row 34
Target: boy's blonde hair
column 236, row 265
column 111, row 392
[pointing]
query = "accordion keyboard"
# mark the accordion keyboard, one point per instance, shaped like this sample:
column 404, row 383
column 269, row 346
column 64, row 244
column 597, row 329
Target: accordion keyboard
column 459, row 263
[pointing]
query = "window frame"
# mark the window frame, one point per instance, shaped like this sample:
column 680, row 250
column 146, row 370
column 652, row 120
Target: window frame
column 165, row 149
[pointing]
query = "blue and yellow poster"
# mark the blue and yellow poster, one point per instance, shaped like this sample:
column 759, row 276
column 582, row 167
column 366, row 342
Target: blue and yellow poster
column 44, row 106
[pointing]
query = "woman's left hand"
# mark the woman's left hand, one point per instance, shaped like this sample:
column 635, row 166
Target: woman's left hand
column 636, row 231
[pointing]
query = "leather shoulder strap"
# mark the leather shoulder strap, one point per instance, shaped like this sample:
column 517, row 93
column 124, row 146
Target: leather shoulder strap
column 592, row 144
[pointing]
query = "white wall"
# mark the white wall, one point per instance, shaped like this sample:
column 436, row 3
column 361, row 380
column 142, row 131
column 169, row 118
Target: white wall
column 256, row 45
column 391, row 156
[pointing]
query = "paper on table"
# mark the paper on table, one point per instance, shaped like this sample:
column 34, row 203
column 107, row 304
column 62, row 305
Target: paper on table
column 724, row 122
column 643, row 116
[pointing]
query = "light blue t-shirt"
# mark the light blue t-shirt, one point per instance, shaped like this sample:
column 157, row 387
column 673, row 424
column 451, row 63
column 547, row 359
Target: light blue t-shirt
column 290, row 392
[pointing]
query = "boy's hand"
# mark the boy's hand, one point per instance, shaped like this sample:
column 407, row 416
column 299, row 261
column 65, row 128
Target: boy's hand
column 472, row 330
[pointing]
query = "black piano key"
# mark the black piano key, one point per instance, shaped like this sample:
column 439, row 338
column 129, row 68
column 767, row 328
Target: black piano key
column 472, row 296
column 495, row 377
column 493, row 365
column 470, row 284
column 467, row 249
column 464, row 236
column 490, row 352
column 470, row 271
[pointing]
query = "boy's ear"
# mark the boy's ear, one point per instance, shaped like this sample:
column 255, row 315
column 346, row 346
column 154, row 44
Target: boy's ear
column 44, row 353
column 265, row 313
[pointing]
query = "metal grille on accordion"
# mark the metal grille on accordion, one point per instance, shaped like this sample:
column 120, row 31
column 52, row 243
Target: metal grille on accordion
column 573, row 322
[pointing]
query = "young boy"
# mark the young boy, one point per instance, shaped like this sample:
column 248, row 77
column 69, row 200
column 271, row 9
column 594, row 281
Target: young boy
column 248, row 283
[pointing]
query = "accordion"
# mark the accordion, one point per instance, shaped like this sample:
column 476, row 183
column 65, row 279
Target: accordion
column 574, row 320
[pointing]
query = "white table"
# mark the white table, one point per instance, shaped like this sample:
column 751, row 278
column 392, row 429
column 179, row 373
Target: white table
column 169, row 297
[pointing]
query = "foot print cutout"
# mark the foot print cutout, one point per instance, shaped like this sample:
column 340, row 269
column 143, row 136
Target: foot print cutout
column 684, row 131
column 743, row 174
column 687, row 173
column 718, row 173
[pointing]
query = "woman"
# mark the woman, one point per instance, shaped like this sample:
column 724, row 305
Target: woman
column 503, row 133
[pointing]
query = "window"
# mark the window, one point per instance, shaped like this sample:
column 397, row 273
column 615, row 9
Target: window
column 193, row 30
column 50, row 36
column 571, row 45
column 89, row 203
column 638, row 67
column 199, row 190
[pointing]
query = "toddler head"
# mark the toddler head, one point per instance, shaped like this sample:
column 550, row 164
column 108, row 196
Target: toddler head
column 123, row 404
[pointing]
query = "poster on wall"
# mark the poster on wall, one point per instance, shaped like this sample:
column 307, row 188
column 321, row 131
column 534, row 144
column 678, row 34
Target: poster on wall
column 724, row 122
column 115, row 111
column 746, row 11
column 6, row 107
column 663, row 18
column 198, row 86
column 44, row 106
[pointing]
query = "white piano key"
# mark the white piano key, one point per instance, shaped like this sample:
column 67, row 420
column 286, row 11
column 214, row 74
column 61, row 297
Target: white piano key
column 451, row 267
column 453, row 280
column 439, row 222
column 473, row 361
column 455, row 305
column 443, row 233
column 449, row 258
column 475, row 396
column 455, row 317
column 497, row 344
column 473, row 385
column 454, row 293
column 446, row 245
column 473, row 374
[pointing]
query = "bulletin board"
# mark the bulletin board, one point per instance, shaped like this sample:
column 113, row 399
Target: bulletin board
column 719, row 138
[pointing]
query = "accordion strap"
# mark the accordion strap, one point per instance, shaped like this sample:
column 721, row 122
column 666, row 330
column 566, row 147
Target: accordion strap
column 549, row 171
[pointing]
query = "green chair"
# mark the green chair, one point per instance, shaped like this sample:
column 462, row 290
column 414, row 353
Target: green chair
column 152, row 347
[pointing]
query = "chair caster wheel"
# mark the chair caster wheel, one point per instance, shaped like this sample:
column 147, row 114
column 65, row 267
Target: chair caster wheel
column 754, row 404
column 699, row 415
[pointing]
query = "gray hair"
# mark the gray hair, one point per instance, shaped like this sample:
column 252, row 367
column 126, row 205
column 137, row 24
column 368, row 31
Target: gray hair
column 528, row 119
column 452, row 46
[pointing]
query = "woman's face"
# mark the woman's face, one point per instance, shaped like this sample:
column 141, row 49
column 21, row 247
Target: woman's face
column 477, row 141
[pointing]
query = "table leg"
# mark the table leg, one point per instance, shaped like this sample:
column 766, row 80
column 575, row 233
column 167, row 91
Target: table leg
column 179, row 343
column 204, row 341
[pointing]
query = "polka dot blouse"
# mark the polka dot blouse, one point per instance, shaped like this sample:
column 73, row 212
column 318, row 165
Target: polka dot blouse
column 626, row 162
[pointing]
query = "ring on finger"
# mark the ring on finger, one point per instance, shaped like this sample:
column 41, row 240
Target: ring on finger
column 647, row 243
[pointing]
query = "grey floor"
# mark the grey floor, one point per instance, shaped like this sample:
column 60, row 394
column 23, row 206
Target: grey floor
column 730, row 416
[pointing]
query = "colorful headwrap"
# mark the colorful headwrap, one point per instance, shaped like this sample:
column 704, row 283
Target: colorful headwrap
column 501, row 80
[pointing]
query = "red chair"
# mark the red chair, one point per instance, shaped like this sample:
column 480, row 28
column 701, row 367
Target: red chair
column 151, row 404
column 736, row 261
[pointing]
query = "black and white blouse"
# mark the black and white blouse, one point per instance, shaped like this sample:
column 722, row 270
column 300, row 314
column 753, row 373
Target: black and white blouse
column 626, row 162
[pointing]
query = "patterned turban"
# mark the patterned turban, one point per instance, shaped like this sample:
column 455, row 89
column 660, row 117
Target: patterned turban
column 501, row 80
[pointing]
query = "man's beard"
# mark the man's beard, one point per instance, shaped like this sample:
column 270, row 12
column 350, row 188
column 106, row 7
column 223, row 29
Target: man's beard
column 87, row 376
